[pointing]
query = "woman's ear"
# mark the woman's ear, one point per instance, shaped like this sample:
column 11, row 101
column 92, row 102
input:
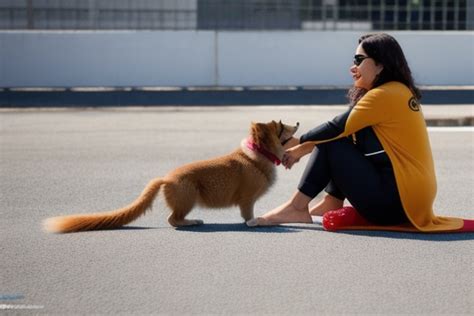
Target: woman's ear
column 379, row 68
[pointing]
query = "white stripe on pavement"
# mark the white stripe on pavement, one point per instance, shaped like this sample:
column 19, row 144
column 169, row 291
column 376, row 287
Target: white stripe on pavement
column 448, row 129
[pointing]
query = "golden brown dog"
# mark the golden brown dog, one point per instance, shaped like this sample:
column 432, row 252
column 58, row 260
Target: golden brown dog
column 238, row 178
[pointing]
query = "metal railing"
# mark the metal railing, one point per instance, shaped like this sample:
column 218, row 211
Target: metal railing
column 237, row 14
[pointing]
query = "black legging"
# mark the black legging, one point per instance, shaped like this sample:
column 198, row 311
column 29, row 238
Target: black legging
column 346, row 173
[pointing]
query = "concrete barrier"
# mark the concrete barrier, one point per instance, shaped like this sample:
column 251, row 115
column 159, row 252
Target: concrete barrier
column 208, row 58
column 114, row 58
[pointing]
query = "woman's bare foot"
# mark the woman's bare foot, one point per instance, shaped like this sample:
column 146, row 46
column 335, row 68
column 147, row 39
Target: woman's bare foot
column 328, row 203
column 293, row 211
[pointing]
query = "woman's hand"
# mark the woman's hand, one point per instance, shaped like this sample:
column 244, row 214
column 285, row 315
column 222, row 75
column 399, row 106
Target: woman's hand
column 293, row 154
column 291, row 157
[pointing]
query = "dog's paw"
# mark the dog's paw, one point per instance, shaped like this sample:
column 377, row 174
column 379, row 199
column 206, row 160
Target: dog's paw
column 252, row 223
column 260, row 221
column 191, row 222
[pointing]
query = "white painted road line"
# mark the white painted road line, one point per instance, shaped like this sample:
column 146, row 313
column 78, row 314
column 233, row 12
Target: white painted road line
column 13, row 307
column 451, row 129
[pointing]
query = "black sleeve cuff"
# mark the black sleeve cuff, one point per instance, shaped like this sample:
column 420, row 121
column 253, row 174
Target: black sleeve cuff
column 327, row 130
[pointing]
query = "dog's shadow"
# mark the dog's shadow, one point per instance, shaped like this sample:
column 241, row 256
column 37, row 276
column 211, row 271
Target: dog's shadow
column 239, row 227
column 221, row 228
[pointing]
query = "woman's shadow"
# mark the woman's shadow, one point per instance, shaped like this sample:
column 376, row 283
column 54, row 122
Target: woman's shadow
column 297, row 228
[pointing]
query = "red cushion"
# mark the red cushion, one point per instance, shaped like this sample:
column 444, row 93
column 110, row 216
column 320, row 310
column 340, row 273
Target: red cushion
column 343, row 217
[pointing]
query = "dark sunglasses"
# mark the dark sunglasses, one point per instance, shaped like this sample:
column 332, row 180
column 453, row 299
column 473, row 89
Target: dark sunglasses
column 358, row 59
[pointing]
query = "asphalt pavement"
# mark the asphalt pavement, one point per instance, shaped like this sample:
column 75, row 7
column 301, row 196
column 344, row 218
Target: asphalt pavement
column 78, row 160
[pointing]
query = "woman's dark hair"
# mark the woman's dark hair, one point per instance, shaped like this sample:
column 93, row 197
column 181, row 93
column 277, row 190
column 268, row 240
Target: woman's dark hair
column 385, row 50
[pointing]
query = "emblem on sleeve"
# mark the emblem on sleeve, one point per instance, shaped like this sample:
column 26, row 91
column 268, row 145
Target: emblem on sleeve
column 413, row 104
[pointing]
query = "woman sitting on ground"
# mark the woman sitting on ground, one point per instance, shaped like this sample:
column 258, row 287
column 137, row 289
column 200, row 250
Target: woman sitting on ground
column 377, row 154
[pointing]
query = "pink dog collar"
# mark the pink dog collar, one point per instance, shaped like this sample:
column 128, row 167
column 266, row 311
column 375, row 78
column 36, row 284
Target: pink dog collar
column 270, row 156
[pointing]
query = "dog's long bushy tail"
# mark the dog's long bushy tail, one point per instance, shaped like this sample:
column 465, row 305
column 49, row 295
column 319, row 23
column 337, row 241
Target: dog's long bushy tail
column 106, row 220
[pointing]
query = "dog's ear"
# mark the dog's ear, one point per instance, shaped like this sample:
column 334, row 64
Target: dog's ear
column 256, row 132
column 253, row 127
column 263, row 135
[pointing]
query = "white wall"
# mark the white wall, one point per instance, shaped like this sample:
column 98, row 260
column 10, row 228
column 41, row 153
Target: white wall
column 106, row 58
column 286, row 58
column 207, row 58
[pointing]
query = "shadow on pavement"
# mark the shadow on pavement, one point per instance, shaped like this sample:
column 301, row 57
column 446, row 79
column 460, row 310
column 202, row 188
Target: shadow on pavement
column 295, row 228
column 136, row 228
column 438, row 237
column 240, row 227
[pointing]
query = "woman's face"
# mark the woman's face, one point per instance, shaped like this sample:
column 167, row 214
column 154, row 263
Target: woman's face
column 364, row 74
